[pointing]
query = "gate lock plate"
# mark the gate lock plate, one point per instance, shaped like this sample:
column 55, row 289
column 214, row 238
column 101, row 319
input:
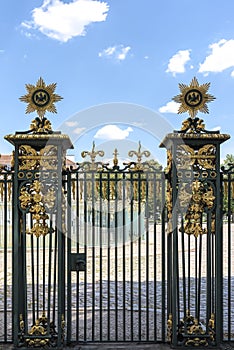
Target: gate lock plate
column 78, row 261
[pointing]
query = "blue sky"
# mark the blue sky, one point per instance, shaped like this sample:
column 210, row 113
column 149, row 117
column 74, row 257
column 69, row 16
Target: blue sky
column 132, row 52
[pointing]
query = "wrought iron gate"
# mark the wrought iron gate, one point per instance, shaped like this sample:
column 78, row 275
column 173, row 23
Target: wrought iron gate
column 109, row 253
column 116, row 251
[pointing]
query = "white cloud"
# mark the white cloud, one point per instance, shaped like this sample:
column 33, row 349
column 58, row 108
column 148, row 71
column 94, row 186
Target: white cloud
column 178, row 61
column 63, row 21
column 221, row 57
column 71, row 123
column 2, row 51
column 170, row 107
column 79, row 131
column 118, row 52
column 123, row 53
column 112, row 132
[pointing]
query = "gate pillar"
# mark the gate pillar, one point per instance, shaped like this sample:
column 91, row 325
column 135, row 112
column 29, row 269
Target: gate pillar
column 195, row 271
column 39, row 226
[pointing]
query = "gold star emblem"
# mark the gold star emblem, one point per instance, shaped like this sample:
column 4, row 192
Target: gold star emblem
column 41, row 98
column 193, row 98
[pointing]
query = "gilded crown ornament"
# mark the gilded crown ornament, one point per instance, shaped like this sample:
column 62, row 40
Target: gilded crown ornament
column 40, row 98
column 193, row 99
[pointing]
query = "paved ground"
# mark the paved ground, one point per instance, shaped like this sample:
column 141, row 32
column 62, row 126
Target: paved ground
column 112, row 346
column 123, row 346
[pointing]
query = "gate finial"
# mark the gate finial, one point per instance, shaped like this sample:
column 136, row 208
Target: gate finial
column 40, row 98
column 193, row 99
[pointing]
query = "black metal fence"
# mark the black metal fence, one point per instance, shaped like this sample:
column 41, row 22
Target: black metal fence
column 116, row 256
column 228, row 252
column 116, row 225
column 6, row 255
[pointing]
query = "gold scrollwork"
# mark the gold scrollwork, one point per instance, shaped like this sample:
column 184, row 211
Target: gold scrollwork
column 197, row 333
column 203, row 158
column 193, row 125
column 169, row 208
column 92, row 154
column 37, row 200
column 195, row 199
column 169, row 328
column 42, row 126
column 27, row 158
column 211, row 326
column 193, row 333
column 31, row 159
column 139, row 154
column 169, row 161
column 48, row 157
column 37, row 330
column 40, row 335
column 206, row 156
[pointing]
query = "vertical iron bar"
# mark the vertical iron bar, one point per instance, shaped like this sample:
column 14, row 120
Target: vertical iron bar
column 5, row 263
column 124, row 253
column 93, row 257
column 183, row 266
column 131, row 256
column 38, row 280
column 140, row 184
column 76, row 181
column 218, row 255
column 24, row 269
column 116, row 256
column 155, row 255
column 147, row 251
column 69, row 286
column 61, row 248
column 100, row 254
column 196, row 274
column 15, row 255
column 189, row 272
column 208, row 272
column 85, row 242
column 33, row 278
column 229, row 257
column 163, row 254
column 199, row 277
column 79, row 234
column 55, row 274
column 49, row 277
column 43, row 273
column 108, row 257
column 175, row 257
column 212, row 269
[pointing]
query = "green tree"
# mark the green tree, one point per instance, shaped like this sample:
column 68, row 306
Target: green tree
column 228, row 161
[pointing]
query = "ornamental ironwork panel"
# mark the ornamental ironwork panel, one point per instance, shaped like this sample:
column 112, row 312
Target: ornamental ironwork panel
column 116, row 252
column 195, row 238
column 116, row 227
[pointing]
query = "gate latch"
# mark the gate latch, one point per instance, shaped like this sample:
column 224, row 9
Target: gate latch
column 78, row 261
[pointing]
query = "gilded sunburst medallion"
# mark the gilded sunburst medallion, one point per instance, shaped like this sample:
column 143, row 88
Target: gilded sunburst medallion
column 193, row 98
column 41, row 98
